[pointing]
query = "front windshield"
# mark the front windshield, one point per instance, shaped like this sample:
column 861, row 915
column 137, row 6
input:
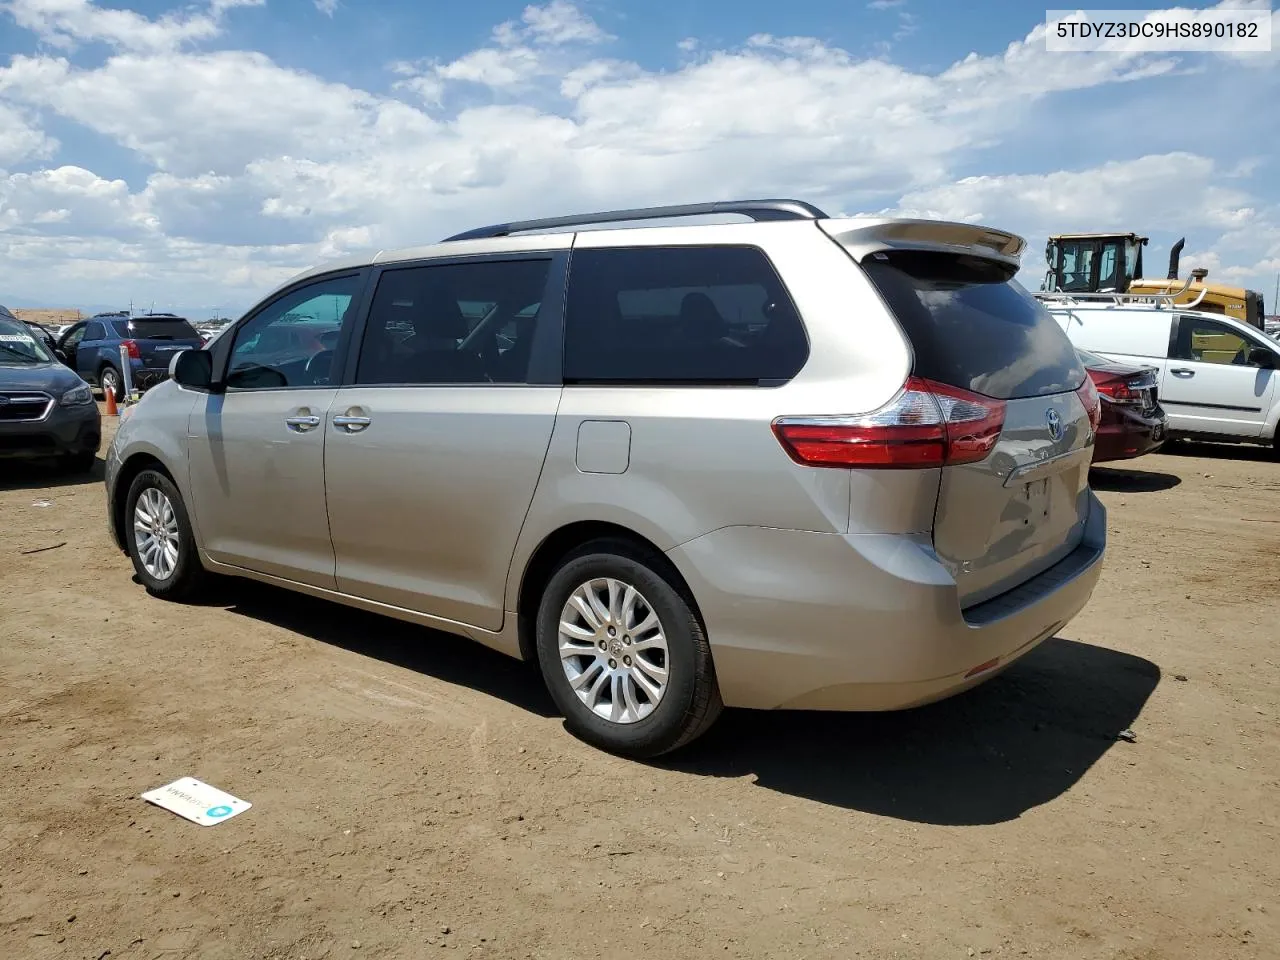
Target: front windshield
column 19, row 347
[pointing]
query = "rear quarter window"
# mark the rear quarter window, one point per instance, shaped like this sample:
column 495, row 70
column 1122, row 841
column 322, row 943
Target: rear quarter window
column 156, row 329
column 971, row 325
column 680, row 315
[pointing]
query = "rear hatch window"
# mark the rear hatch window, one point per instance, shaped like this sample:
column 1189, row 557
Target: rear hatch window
column 146, row 329
column 1001, row 521
column 971, row 325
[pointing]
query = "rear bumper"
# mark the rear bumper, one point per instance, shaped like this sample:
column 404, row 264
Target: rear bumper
column 64, row 432
column 1125, row 434
column 865, row 621
column 144, row 378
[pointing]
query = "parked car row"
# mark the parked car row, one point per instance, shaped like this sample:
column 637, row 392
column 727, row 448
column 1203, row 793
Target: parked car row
column 1215, row 377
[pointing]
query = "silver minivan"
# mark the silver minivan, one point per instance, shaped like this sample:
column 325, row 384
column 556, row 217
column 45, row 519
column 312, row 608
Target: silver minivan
column 789, row 461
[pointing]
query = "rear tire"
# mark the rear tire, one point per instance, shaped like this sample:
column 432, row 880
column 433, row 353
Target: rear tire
column 111, row 381
column 638, row 696
column 160, row 540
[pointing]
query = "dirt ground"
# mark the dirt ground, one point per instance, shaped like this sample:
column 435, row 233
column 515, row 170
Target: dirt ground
column 414, row 795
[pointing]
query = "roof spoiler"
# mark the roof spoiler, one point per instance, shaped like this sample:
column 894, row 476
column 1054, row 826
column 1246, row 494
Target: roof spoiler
column 863, row 237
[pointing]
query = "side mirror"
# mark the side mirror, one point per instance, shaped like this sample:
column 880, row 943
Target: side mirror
column 192, row 369
column 1262, row 357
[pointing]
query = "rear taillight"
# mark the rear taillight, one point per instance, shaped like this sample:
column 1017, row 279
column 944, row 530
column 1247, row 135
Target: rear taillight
column 132, row 347
column 926, row 425
column 1088, row 395
column 1116, row 389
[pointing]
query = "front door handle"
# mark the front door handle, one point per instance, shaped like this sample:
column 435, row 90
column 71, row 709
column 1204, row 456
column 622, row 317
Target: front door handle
column 302, row 424
column 352, row 424
column 1182, row 372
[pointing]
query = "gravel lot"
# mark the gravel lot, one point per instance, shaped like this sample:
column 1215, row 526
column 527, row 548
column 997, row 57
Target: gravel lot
column 414, row 795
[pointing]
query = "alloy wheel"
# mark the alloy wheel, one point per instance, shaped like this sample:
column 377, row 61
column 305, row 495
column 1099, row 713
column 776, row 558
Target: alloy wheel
column 613, row 650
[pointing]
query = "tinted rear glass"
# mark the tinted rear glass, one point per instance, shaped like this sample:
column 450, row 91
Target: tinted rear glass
column 697, row 315
column 142, row 329
column 972, row 326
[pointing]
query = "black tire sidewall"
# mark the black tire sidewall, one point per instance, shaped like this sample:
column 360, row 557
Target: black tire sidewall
column 188, row 566
column 111, row 371
column 665, row 726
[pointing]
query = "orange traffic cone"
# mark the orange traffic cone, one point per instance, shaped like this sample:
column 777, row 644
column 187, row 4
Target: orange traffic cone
column 111, row 403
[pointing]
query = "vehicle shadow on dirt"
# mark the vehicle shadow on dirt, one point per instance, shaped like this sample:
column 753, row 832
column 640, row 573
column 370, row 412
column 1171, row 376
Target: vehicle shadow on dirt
column 40, row 475
column 987, row 756
column 432, row 653
column 1131, row 481
column 1245, row 452
column 984, row 757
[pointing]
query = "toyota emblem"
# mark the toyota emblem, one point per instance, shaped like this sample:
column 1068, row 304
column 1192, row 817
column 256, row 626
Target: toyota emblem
column 1054, row 422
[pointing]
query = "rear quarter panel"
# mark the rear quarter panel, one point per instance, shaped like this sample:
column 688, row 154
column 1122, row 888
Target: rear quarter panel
column 705, row 458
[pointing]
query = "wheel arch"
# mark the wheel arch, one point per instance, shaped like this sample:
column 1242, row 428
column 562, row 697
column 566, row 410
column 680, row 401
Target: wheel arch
column 129, row 470
column 561, row 542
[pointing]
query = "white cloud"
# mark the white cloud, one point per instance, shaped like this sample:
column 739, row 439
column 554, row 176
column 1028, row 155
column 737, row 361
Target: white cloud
column 254, row 169
column 1122, row 196
column 65, row 23
column 556, row 23
column 20, row 138
column 885, row 4
column 327, row 7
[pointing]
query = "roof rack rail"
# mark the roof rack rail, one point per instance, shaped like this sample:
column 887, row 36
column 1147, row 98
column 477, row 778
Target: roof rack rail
column 755, row 209
column 1158, row 300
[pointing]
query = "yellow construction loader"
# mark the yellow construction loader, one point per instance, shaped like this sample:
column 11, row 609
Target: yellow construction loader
column 1111, row 263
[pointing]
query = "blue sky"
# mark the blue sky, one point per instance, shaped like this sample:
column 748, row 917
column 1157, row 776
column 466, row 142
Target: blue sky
column 197, row 154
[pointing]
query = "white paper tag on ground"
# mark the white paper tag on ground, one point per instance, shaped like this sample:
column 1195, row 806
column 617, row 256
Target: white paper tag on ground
column 197, row 801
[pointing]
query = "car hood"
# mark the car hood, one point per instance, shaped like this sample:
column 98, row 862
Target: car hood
column 52, row 378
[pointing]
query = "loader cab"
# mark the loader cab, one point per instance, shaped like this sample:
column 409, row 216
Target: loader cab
column 1093, row 262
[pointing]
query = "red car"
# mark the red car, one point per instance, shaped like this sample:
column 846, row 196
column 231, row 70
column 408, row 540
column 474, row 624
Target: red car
column 1132, row 421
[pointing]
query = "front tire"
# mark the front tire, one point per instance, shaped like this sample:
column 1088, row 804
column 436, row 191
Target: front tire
column 623, row 653
column 159, row 538
column 112, row 382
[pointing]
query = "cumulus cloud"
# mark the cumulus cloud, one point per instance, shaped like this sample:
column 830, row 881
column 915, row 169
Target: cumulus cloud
column 253, row 168
column 67, row 23
column 1119, row 196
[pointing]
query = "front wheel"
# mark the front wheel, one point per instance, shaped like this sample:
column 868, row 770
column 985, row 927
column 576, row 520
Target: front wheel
column 112, row 383
column 159, row 538
column 623, row 653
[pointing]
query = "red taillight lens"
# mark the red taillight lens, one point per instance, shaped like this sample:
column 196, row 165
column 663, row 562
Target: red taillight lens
column 132, row 347
column 1088, row 395
column 1114, row 388
column 926, row 425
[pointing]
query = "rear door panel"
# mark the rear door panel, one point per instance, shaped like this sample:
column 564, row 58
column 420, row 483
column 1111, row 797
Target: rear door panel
column 1015, row 514
column 1006, row 519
